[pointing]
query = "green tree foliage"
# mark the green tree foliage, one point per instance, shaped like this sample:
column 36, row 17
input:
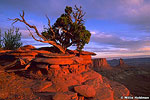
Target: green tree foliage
column 69, row 29
column 11, row 41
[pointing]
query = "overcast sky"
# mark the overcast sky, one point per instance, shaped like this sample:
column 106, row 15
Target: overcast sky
column 120, row 28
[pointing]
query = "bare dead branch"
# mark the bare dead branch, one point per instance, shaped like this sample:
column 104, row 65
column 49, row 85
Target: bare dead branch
column 50, row 27
column 31, row 26
column 33, row 35
column 50, row 42
column 44, row 40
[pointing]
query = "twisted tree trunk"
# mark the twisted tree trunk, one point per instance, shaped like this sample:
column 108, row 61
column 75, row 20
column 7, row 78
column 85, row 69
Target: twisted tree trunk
column 44, row 40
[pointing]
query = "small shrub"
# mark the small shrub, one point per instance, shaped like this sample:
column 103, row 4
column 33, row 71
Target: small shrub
column 11, row 41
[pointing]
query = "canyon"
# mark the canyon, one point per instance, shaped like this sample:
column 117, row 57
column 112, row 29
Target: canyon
column 44, row 74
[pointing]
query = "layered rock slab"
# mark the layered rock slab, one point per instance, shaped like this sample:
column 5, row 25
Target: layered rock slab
column 85, row 90
column 62, row 79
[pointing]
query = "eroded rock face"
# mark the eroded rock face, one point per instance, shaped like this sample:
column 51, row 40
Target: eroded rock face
column 100, row 64
column 121, row 62
column 85, row 90
column 67, row 76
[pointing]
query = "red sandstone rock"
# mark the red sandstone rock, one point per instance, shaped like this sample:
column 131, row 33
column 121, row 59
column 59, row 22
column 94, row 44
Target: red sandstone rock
column 57, row 67
column 22, row 53
column 55, row 55
column 26, row 55
column 104, row 93
column 81, row 98
column 44, row 66
column 4, row 51
column 29, row 47
column 100, row 64
column 42, row 51
column 89, row 75
column 81, row 68
column 66, row 76
column 41, row 86
column 86, row 59
column 55, row 61
column 74, row 68
column 95, row 83
column 88, row 53
column 65, row 69
column 39, row 73
column 85, row 90
column 78, row 60
column 82, row 53
column 22, row 62
column 119, row 90
column 65, row 96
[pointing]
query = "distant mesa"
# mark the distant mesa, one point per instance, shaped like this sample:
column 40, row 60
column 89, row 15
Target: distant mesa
column 100, row 64
column 121, row 63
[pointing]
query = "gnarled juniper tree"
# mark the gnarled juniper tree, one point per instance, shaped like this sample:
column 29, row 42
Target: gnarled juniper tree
column 68, row 30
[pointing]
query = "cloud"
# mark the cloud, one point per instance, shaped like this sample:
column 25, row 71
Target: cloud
column 92, row 32
column 134, row 12
column 119, row 42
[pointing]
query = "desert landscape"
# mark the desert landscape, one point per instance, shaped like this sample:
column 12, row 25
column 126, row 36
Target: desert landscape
column 74, row 50
column 133, row 73
column 30, row 73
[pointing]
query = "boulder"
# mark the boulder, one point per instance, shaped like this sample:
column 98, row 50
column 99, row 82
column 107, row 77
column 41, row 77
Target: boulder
column 90, row 75
column 95, row 83
column 104, row 93
column 85, row 90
